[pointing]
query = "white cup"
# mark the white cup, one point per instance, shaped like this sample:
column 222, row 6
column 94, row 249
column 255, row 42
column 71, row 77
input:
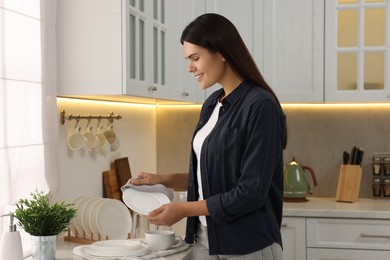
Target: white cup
column 93, row 140
column 76, row 140
column 160, row 239
column 112, row 138
column 104, row 146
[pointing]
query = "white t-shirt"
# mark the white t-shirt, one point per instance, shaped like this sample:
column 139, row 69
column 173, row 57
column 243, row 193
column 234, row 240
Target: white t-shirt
column 197, row 146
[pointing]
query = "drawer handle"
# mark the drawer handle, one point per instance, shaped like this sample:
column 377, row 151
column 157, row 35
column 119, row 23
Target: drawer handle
column 374, row 236
column 284, row 225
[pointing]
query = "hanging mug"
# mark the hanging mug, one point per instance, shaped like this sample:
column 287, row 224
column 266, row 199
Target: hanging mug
column 104, row 146
column 93, row 140
column 112, row 138
column 76, row 140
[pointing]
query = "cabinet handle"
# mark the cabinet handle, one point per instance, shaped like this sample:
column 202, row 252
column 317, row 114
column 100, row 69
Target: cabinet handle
column 374, row 236
column 284, row 225
column 152, row 88
column 185, row 94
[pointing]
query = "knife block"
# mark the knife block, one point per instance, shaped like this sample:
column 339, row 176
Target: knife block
column 349, row 183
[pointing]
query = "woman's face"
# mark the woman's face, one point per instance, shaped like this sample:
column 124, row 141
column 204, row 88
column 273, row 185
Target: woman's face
column 208, row 68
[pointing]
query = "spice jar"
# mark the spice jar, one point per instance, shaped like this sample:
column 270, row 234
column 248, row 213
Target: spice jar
column 386, row 166
column 376, row 165
column 386, row 187
column 377, row 187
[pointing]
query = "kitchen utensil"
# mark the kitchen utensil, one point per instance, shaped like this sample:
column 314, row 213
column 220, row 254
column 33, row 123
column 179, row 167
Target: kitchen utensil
column 122, row 168
column 111, row 186
column 144, row 202
column 296, row 186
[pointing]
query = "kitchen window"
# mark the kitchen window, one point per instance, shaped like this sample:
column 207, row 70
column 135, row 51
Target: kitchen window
column 28, row 112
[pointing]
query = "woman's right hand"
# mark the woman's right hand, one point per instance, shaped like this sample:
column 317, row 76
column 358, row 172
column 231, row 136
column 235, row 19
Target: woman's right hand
column 144, row 178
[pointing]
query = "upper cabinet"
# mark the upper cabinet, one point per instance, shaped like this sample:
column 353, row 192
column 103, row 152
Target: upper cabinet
column 247, row 16
column 293, row 61
column 357, row 50
column 122, row 47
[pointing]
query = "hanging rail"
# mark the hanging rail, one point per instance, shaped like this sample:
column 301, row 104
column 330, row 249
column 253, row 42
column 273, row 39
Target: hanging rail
column 111, row 116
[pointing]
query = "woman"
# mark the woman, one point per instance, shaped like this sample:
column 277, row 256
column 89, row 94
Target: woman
column 235, row 180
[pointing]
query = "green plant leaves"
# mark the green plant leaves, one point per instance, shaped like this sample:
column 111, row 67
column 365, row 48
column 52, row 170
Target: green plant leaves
column 38, row 218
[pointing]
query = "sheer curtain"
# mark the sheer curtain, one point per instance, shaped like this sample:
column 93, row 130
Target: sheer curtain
column 28, row 113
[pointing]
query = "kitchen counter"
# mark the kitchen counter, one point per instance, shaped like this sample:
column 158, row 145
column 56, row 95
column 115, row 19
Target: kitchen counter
column 64, row 251
column 330, row 208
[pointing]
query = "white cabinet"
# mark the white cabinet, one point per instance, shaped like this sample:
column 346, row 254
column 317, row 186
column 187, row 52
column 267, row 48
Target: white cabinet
column 347, row 239
column 294, row 238
column 357, row 42
column 246, row 16
column 89, row 47
column 294, row 49
column 121, row 47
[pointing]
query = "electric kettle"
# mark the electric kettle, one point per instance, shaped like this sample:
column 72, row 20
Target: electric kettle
column 296, row 186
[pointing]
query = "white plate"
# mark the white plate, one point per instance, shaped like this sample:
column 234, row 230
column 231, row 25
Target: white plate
column 85, row 216
column 79, row 217
column 93, row 218
column 72, row 224
column 144, row 202
column 98, row 251
column 113, row 220
column 113, row 245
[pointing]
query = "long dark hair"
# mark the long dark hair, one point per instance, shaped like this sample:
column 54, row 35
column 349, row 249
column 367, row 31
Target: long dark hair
column 216, row 33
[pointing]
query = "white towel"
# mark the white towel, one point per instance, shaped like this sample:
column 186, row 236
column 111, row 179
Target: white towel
column 149, row 188
column 182, row 246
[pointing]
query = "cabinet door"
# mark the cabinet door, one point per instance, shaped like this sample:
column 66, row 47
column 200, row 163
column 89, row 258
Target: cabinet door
column 89, row 47
column 183, row 85
column 294, row 238
column 246, row 16
column 357, row 51
column 346, row 254
column 294, row 49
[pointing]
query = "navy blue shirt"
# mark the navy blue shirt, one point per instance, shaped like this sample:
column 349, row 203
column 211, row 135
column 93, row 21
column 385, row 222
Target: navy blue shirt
column 242, row 172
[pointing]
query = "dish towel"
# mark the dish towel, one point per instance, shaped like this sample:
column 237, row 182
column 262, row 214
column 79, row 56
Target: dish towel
column 149, row 188
column 160, row 254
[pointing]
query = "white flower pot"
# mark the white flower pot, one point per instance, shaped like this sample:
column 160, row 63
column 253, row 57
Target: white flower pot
column 44, row 247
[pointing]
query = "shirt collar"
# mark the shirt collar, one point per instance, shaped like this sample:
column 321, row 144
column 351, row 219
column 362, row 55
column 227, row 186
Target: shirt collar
column 234, row 96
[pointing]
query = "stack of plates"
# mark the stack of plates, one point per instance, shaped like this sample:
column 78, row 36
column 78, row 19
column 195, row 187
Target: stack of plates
column 100, row 218
column 112, row 249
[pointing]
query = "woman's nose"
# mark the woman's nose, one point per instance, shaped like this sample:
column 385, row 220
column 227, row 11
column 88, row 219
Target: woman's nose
column 190, row 67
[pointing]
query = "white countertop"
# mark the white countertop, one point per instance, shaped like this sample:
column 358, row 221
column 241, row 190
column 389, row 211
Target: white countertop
column 330, row 208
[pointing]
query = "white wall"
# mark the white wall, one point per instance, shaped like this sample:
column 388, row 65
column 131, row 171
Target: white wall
column 81, row 173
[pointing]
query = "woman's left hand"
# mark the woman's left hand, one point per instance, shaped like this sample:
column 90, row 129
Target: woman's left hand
column 167, row 214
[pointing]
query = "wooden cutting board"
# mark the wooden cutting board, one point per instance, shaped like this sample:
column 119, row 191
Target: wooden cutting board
column 122, row 168
column 111, row 188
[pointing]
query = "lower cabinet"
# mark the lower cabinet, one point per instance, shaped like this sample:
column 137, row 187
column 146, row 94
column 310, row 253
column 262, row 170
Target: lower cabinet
column 294, row 238
column 335, row 238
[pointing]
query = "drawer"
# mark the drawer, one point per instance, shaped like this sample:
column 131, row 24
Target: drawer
column 346, row 254
column 348, row 233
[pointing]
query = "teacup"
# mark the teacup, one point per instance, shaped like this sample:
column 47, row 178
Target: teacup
column 112, row 138
column 76, row 140
column 104, row 145
column 93, row 140
column 160, row 239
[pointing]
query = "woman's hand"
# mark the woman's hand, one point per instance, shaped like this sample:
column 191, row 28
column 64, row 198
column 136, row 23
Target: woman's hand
column 167, row 214
column 144, row 178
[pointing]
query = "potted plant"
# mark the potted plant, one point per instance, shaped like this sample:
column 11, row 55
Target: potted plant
column 43, row 221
